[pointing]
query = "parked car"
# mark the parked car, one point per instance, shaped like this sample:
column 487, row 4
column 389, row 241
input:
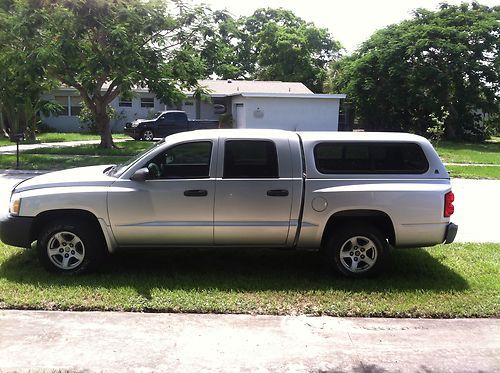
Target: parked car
column 348, row 194
column 165, row 123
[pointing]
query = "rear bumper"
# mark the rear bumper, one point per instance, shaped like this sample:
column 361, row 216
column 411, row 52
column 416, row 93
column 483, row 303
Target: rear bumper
column 451, row 232
column 15, row 230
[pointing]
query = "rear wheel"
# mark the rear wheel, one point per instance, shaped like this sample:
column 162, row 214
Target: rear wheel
column 148, row 135
column 358, row 250
column 70, row 247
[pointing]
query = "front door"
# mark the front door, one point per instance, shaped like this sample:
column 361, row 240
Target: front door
column 253, row 204
column 174, row 206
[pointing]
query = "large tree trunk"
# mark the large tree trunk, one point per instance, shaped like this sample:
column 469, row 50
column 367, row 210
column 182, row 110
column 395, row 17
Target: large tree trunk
column 103, row 126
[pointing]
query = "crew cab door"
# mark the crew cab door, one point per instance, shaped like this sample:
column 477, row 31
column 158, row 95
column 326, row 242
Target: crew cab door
column 170, row 123
column 174, row 206
column 252, row 202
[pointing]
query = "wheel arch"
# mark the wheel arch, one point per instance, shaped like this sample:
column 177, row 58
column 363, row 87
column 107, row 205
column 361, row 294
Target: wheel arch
column 44, row 218
column 377, row 218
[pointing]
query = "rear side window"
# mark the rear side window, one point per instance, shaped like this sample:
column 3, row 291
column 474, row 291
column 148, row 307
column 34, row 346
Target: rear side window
column 250, row 159
column 370, row 158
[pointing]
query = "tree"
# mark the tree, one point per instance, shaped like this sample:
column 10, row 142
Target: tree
column 438, row 66
column 104, row 48
column 272, row 44
column 22, row 77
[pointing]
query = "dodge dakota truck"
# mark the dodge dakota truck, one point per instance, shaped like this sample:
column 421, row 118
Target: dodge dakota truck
column 350, row 195
column 165, row 123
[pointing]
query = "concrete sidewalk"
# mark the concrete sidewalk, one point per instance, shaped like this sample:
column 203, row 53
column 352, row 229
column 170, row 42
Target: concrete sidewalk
column 111, row 341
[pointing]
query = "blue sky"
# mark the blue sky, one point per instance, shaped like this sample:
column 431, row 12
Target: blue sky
column 349, row 21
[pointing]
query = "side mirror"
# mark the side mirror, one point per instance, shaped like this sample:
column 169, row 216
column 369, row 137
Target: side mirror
column 141, row 174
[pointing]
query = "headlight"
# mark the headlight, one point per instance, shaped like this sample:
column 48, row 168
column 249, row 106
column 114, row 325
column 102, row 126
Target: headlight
column 15, row 204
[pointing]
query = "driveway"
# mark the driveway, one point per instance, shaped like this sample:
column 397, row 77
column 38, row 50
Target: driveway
column 119, row 342
column 476, row 206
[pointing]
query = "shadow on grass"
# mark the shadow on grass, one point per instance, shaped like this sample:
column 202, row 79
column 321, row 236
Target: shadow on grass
column 240, row 270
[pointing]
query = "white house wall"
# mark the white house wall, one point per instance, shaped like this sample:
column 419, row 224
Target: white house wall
column 291, row 113
column 65, row 123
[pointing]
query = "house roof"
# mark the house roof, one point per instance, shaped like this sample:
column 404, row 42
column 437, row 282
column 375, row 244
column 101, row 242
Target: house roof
column 230, row 87
column 315, row 96
column 256, row 88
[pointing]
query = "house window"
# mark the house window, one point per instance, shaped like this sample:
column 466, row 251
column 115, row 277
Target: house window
column 147, row 102
column 76, row 105
column 125, row 102
column 63, row 101
column 188, row 103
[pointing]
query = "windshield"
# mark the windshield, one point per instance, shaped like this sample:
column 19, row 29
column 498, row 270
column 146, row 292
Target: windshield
column 119, row 169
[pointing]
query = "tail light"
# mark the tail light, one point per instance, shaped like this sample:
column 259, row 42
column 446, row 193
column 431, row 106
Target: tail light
column 449, row 209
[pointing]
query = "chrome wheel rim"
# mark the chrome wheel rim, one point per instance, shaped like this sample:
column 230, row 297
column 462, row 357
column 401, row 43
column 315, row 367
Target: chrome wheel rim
column 148, row 135
column 65, row 250
column 358, row 254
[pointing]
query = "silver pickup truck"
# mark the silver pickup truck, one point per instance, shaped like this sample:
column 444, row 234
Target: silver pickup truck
column 352, row 195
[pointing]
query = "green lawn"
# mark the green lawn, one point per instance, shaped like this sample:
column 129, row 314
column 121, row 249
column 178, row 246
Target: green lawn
column 485, row 153
column 128, row 148
column 458, row 280
column 63, row 137
column 56, row 162
column 474, row 172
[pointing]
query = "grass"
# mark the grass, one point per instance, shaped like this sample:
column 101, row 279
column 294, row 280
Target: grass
column 485, row 153
column 458, row 280
column 56, row 162
column 474, row 172
column 128, row 148
column 63, row 137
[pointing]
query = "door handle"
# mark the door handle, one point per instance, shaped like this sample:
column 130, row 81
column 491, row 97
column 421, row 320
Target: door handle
column 196, row 193
column 277, row 193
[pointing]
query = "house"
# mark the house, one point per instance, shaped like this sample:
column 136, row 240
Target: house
column 252, row 104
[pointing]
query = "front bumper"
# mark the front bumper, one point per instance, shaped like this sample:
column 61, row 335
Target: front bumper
column 451, row 232
column 134, row 132
column 15, row 230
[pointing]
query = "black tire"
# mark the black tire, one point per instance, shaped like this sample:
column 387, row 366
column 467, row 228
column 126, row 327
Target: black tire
column 70, row 247
column 148, row 135
column 357, row 250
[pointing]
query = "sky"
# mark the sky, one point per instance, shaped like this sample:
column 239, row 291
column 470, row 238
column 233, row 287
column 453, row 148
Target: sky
column 349, row 21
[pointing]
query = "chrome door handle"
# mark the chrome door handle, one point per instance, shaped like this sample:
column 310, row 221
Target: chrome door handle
column 277, row 193
column 196, row 193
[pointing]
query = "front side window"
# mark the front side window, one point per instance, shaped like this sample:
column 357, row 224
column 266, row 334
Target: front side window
column 183, row 161
column 250, row 159
column 370, row 158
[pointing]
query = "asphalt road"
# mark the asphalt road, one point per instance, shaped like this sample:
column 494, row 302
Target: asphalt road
column 477, row 205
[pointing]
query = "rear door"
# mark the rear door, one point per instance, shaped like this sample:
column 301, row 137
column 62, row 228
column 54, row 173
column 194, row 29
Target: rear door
column 252, row 202
column 170, row 123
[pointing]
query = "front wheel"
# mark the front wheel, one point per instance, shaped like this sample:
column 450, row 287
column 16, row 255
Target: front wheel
column 148, row 135
column 70, row 247
column 358, row 250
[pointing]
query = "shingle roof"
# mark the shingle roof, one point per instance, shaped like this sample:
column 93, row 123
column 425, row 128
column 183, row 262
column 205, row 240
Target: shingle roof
column 230, row 87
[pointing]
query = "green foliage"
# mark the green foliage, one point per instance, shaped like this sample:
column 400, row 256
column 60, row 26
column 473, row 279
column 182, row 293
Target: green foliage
column 22, row 75
column 106, row 48
column 88, row 119
column 226, row 120
column 271, row 44
column 442, row 65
